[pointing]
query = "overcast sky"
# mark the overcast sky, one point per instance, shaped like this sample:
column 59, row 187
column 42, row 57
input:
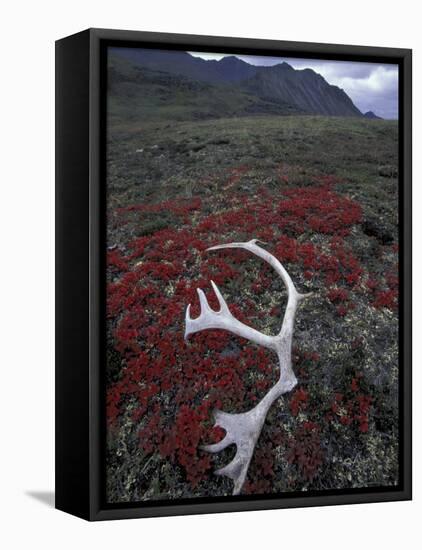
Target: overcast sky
column 371, row 86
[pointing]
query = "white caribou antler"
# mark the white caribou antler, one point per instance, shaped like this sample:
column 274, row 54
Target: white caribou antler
column 244, row 429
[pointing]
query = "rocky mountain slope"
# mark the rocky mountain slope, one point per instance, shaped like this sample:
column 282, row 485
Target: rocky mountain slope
column 299, row 91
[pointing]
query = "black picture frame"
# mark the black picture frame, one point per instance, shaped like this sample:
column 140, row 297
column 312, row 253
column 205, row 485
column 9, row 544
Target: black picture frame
column 80, row 227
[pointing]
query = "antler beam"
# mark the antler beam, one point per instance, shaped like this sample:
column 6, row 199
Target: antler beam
column 244, row 429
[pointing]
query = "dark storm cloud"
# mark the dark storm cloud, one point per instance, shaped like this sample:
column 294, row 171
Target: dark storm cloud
column 371, row 86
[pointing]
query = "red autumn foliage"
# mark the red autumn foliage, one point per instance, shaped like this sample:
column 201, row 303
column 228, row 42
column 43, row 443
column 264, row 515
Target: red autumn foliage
column 169, row 387
column 298, row 401
column 305, row 450
column 356, row 403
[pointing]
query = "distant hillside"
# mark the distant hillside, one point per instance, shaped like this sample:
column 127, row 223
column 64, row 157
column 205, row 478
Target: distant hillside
column 227, row 70
column 372, row 115
column 137, row 92
column 304, row 91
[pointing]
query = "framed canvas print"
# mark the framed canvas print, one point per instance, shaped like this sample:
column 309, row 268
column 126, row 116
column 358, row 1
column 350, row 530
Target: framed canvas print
column 233, row 274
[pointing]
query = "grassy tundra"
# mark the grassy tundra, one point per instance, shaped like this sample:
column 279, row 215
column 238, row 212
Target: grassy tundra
column 322, row 193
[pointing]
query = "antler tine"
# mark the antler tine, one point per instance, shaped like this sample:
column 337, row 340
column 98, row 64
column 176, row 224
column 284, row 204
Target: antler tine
column 217, row 447
column 243, row 430
column 223, row 319
column 205, row 307
column 224, row 308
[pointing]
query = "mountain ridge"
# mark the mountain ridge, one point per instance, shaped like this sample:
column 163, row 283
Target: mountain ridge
column 303, row 89
column 140, row 93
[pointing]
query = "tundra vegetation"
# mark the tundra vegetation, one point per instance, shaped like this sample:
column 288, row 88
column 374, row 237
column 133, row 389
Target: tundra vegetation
column 322, row 194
